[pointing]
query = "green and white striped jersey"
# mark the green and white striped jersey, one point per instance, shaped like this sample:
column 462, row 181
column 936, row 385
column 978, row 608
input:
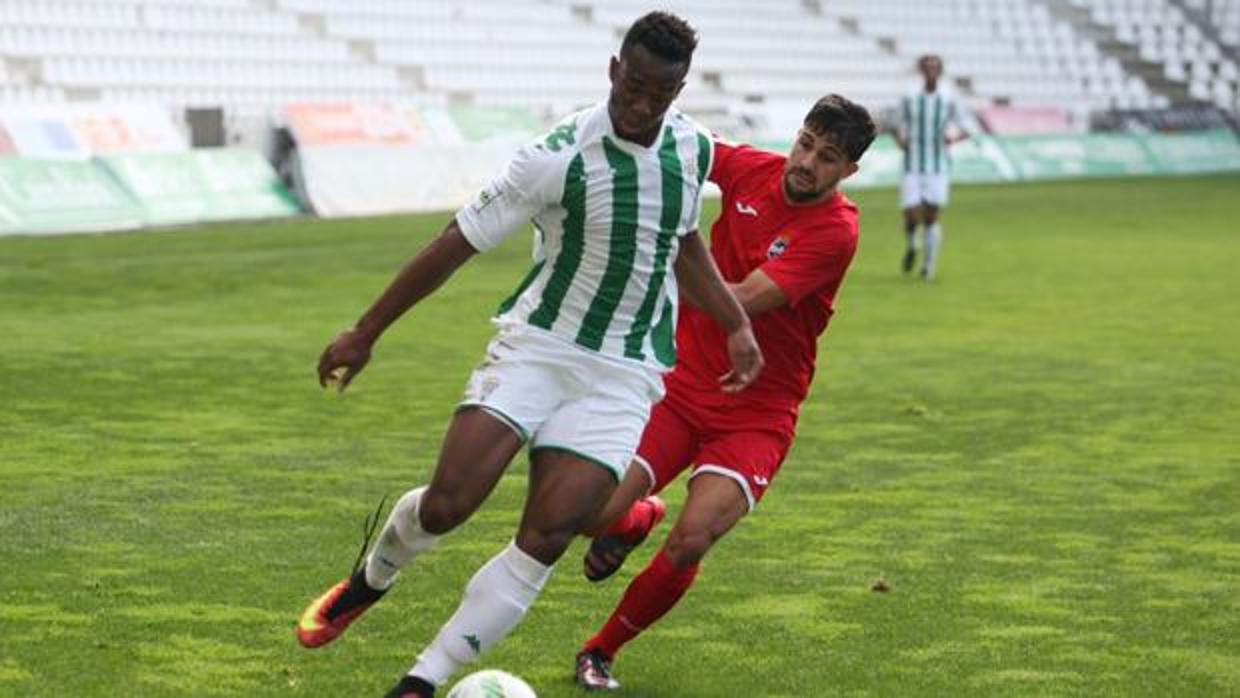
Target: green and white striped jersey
column 923, row 123
column 609, row 215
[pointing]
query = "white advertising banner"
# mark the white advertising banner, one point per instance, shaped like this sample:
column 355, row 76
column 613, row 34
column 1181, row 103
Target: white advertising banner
column 359, row 160
column 81, row 131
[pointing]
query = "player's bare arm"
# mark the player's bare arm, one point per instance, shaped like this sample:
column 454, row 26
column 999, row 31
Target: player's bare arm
column 757, row 294
column 350, row 350
column 699, row 278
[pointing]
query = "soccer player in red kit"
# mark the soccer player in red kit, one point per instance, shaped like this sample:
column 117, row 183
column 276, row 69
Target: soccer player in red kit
column 783, row 240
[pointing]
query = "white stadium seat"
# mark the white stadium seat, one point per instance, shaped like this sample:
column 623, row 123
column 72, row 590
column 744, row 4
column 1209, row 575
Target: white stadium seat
column 553, row 53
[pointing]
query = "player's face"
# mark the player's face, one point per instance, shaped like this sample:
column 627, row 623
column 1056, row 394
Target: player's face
column 814, row 167
column 642, row 88
column 931, row 69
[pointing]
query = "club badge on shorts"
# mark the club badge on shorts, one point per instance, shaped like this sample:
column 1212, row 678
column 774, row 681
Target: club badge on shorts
column 480, row 387
column 489, row 384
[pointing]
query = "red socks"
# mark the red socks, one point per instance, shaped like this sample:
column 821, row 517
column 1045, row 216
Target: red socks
column 650, row 595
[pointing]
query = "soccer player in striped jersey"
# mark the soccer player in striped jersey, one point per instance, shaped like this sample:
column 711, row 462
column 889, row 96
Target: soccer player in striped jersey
column 784, row 239
column 614, row 195
column 923, row 136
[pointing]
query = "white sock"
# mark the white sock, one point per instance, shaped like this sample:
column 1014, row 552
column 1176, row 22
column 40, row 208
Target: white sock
column 495, row 601
column 934, row 238
column 401, row 540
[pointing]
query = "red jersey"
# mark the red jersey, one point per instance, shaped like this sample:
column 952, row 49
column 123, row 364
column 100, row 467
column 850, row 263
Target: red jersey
column 804, row 250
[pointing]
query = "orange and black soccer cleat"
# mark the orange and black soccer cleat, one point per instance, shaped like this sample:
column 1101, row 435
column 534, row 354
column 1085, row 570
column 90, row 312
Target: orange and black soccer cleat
column 328, row 616
column 331, row 613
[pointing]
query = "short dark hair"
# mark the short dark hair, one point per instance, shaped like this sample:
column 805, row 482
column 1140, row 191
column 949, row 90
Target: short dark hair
column 845, row 122
column 925, row 58
column 664, row 34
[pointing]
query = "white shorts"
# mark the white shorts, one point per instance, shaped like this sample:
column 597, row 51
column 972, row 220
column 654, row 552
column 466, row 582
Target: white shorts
column 555, row 394
column 919, row 188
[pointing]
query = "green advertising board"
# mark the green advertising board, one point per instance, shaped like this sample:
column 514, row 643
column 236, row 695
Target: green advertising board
column 467, row 125
column 1065, row 156
column 9, row 220
column 167, row 188
column 981, row 159
column 987, row 158
column 52, row 196
column 202, row 185
column 1200, row 151
column 485, row 123
column 128, row 191
column 240, row 183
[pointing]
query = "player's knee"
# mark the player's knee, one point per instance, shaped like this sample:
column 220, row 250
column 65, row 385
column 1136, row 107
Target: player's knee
column 596, row 524
column 687, row 548
column 440, row 512
column 544, row 545
column 595, row 528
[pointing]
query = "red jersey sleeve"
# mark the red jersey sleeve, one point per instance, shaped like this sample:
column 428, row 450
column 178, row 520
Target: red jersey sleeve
column 816, row 259
column 723, row 169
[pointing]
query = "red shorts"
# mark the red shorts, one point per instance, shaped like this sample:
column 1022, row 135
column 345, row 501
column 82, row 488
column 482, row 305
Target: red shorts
column 681, row 434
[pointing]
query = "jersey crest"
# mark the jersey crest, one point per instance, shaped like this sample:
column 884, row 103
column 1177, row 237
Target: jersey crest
column 778, row 246
column 560, row 136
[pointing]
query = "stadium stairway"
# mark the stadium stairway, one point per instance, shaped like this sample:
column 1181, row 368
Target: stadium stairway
column 1106, row 38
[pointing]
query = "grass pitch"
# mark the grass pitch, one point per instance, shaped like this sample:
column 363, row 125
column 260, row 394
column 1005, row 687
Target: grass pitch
column 1038, row 454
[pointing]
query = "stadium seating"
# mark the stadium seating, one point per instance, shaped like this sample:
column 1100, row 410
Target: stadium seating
column 1226, row 16
column 1198, row 52
column 755, row 57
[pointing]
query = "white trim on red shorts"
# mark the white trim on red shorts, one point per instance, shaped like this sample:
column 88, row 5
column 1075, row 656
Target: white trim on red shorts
column 740, row 480
column 645, row 464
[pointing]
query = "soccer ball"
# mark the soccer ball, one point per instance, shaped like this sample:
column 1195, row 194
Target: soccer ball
column 491, row 683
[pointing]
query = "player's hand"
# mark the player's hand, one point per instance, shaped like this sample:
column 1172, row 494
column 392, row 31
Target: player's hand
column 746, row 359
column 343, row 359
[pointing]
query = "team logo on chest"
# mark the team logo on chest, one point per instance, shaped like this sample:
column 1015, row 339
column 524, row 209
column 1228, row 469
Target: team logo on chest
column 742, row 207
column 778, row 246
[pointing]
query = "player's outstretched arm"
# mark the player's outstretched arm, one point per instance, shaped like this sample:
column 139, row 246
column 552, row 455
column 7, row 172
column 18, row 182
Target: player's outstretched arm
column 350, row 350
column 700, row 280
column 758, row 294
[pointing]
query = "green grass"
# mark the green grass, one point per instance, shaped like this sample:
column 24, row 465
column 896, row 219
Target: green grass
column 1039, row 453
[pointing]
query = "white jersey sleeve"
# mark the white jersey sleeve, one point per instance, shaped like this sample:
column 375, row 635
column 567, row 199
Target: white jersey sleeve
column 506, row 204
column 705, row 161
column 697, row 153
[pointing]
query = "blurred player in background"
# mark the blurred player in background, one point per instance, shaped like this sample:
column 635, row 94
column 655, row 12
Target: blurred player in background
column 614, row 193
column 784, row 238
column 923, row 136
